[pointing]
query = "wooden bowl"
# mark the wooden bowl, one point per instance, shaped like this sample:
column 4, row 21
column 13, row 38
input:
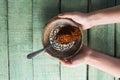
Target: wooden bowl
column 59, row 50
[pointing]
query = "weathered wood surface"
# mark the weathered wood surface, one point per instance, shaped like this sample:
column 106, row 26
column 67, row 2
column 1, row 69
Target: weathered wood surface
column 20, row 39
column 21, row 26
column 4, row 74
column 45, row 67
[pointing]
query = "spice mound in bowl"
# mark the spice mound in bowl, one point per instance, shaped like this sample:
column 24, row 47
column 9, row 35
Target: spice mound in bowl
column 68, row 34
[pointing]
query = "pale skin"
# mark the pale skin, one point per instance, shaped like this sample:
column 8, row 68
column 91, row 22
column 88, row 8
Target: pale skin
column 87, row 55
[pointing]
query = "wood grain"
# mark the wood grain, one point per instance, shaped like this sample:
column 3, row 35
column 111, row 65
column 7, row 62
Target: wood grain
column 21, row 26
column 101, row 39
column 20, row 39
column 4, row 74
column 80, row 72
column 45, row 67
column 117, row 36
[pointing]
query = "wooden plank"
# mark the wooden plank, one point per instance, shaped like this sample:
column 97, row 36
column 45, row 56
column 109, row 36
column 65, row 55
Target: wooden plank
column 117, row 42
column 101, row 39
column 3, row 41
column 80, row 72
column 117, row 37
column 45, row 67
column 20, row 39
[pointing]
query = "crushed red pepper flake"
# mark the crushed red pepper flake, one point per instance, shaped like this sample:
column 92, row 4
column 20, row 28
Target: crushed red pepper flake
column 68, row 34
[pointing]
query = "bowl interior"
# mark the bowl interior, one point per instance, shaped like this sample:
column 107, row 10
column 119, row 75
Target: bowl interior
column 60, row 50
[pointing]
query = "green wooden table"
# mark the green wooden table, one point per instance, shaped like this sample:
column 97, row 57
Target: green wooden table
column 21, row 26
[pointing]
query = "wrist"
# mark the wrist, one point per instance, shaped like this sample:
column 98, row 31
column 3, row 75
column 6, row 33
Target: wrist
column 89, row 53
column 93, row 18
column 93, row 57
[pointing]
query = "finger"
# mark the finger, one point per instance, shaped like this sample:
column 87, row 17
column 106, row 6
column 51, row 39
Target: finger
column 85, row 28
column 67, row 64
column 65, row 15
column 47, row 53
column 65, row 61
column 82, row 27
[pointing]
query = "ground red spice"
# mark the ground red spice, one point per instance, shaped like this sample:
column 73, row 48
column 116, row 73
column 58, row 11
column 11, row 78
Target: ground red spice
column 68, row 34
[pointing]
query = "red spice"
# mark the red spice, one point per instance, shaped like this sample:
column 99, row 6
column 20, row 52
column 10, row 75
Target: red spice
column 68, row 34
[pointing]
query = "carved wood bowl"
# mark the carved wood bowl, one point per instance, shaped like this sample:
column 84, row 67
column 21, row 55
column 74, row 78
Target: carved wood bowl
column 61, row 51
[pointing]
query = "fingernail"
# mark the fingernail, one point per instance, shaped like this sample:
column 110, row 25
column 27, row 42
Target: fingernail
column 63, row 60
column 60, row 15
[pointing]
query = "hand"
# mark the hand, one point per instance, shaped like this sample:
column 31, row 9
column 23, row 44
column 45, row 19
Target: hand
column 78, row 59
column 81, row 18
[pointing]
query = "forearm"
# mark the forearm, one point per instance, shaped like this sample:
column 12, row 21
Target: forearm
column 105, row 16
column 105, row 63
